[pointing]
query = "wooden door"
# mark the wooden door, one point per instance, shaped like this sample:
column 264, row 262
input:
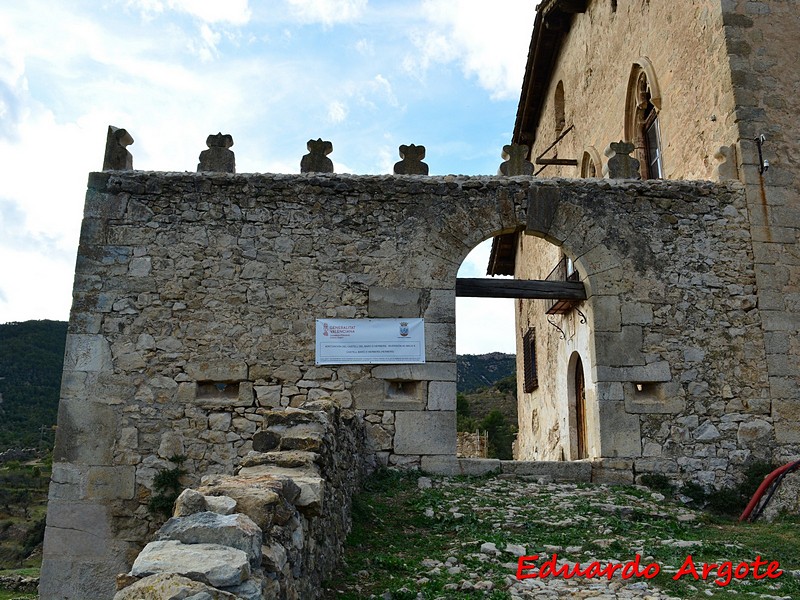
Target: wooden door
column 580, row 411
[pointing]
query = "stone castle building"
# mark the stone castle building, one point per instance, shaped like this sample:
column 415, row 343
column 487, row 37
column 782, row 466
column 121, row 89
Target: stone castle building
column 192, row 330
column 704, row 90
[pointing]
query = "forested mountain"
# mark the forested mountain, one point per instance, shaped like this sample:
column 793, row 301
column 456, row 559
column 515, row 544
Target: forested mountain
column 31, row 359
column 477, row 371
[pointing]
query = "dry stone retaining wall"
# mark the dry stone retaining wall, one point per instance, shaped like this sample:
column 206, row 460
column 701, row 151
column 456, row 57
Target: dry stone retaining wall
column 275, row 529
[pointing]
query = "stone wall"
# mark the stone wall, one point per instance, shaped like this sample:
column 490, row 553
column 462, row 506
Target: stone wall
column 762, row 40
column 193, row 318
column 472, row 444
column 725, row 77
column 672, row 342
column 595, row 61
column 276, row 528
column 196, row 296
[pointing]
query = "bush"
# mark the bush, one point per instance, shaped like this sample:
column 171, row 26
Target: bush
column 167, row 487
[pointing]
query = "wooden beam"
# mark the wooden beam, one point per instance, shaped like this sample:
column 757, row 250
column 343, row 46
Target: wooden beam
column 520, row 288
column 561, row 162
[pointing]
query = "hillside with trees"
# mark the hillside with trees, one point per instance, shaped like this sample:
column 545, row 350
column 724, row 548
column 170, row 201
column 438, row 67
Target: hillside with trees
column 477, row 371
column 31, row 360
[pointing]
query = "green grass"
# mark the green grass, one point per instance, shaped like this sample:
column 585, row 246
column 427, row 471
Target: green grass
column 392, row 534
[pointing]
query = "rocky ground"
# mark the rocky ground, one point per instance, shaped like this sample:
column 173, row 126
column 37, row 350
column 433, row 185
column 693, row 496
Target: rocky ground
column 459, row 538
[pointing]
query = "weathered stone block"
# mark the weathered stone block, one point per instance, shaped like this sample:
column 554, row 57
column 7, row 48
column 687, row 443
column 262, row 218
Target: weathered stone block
column 441, row 307
column 425, row 432
column 622, row 349
column 786, row 417
column 217, row 369
column 606, row 313
column 85, row 352
column 452, row 466
column 394, row 302
column 219, row 565
column 550, row 470
column 603, row 474
column 111, row 483
column 442, row 371
column 86, row 432
column 379, row 439
column 235, row 531
column 756, row 431
column 170, row 585
column 442, row 395
column 67, row 482
column 620, row 433
column 654, row 398
column 268, row 395
column 440, row 341
column 140, row 267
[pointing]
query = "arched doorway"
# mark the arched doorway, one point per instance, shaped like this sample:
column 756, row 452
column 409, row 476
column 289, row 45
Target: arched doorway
column 577, row 390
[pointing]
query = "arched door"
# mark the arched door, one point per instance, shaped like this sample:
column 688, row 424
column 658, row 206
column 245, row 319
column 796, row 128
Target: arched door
column 580, row 411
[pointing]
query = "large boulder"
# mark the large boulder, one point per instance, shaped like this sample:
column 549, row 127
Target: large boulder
column 267, row 499
column 236, row 531
column 219, row 566
column 169, row 586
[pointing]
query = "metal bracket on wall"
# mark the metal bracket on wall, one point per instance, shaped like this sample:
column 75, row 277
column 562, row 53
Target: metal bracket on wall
column 561, row 331
column 583, row 316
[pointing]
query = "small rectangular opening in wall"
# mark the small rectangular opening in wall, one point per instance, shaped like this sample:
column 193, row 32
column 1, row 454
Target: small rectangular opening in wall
column 646, row 388
column 218, row 389
column 403, row 390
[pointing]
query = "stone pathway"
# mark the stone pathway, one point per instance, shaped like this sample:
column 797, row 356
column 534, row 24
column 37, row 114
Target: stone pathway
column 538, row 513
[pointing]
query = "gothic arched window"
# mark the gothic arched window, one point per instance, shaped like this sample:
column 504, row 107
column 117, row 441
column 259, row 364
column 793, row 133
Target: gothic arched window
column 642, row 125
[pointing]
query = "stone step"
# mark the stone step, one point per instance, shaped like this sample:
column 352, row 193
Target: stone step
column 578, row 471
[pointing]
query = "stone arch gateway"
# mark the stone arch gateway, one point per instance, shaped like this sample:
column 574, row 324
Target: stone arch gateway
column 185, row 282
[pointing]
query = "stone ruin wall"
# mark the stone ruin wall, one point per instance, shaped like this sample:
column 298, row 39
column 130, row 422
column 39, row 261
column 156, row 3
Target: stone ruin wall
column 185, row 282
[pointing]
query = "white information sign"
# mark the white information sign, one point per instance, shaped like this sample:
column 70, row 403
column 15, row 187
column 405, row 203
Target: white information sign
column 370, row 341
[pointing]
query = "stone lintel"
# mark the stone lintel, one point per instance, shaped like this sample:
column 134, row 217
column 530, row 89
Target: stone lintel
column 654, row 372
column 439, row 371
column 217, row 369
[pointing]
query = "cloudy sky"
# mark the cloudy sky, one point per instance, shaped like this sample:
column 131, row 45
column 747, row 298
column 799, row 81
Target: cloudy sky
column 368, row 75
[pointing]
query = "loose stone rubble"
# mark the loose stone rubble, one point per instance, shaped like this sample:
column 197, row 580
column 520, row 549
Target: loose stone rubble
column 273, row 530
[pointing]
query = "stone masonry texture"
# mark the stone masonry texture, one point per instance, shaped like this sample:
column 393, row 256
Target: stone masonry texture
column 196, row 294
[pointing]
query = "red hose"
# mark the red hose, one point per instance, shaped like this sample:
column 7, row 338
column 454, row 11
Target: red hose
column 763, row 488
